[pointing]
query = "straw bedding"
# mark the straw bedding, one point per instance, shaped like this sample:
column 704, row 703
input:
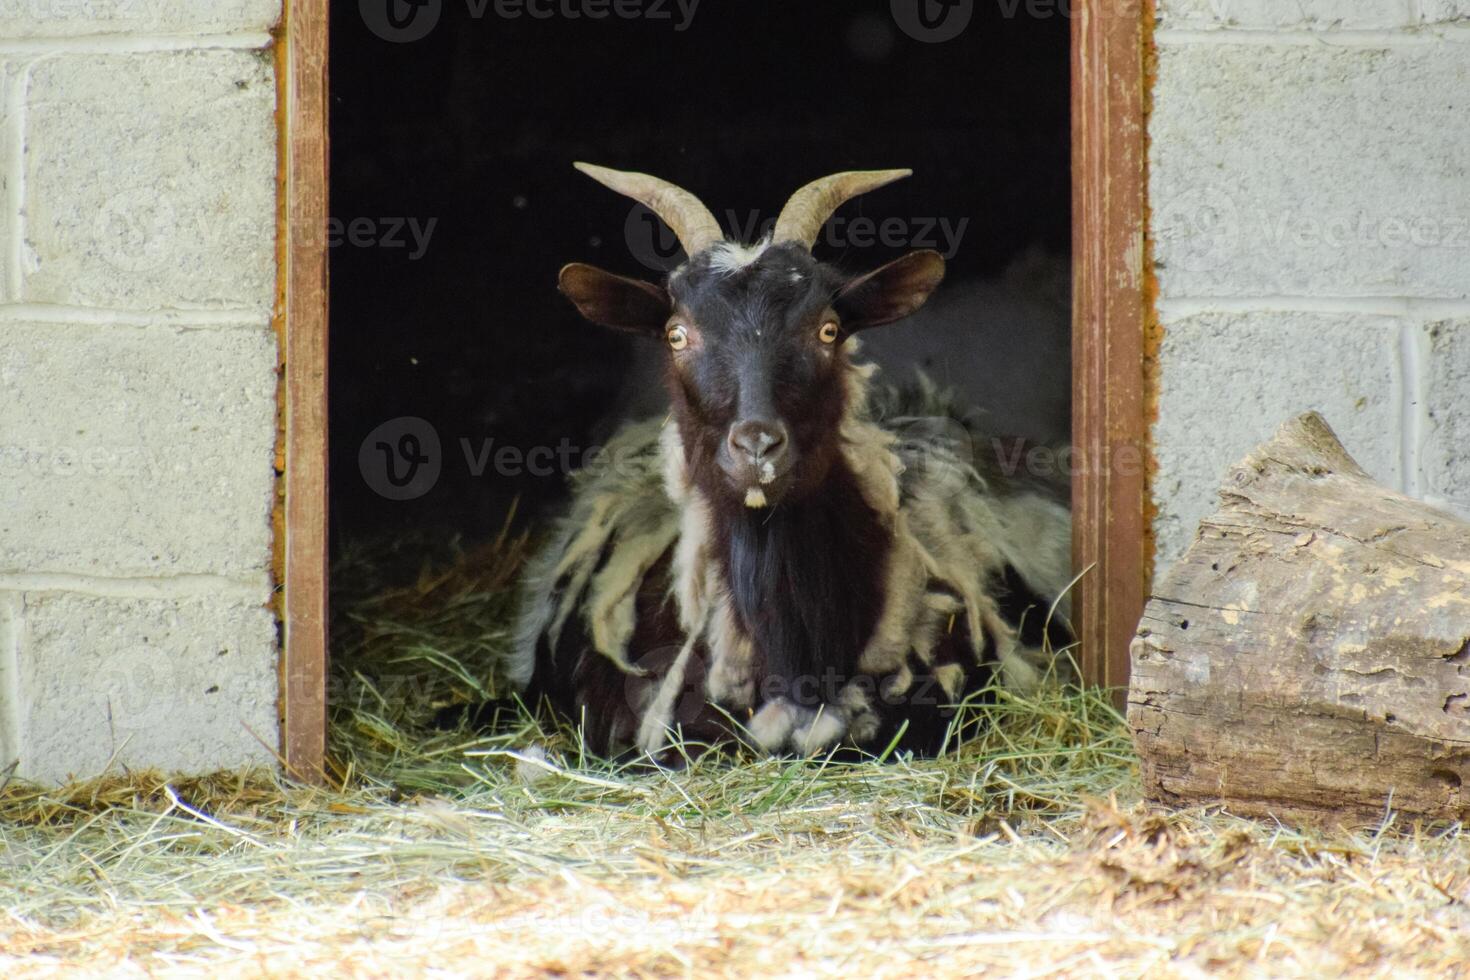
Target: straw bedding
column 1024, row 851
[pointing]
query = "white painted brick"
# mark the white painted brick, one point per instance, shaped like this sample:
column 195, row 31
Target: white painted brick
column 1446, row 452
column 75, row 18
column 150, row 180
column 1443, row 11
column 1228, row 381
column 10, row 706
column 173, row 684
column 136, row 450
column 1312, row 170
column 1284, row 14
column 10, row 87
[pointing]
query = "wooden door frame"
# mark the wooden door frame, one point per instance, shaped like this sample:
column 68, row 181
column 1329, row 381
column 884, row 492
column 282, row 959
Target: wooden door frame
column 1111, row 538
column 301, row 66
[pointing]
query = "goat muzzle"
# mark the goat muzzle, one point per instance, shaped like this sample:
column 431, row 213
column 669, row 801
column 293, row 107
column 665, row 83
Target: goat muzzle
column 757, row 456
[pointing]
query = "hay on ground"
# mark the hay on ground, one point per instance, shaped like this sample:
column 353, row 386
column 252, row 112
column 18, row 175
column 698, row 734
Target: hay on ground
column 1023, row 851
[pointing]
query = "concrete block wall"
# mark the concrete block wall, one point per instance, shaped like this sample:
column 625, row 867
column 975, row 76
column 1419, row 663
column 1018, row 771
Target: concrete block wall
column 138, row 372
column 1310, row 193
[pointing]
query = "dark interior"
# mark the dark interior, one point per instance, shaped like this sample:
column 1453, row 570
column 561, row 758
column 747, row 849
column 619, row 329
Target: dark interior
column 476, row 125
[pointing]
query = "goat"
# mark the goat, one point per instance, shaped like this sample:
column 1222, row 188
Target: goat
column 776, row 561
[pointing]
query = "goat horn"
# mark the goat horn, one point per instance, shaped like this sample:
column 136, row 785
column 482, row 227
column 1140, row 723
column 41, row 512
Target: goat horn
column 691, row 221
column 809, row 208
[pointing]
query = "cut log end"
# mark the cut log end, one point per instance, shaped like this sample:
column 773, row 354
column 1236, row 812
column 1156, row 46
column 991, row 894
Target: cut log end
column 1309, row 656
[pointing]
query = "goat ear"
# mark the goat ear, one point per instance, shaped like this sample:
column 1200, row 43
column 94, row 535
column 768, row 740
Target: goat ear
column 891, row 292
column 614, row 301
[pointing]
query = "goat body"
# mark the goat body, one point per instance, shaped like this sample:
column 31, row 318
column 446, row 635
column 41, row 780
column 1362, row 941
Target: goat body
column 879, row 607
column 778, row 561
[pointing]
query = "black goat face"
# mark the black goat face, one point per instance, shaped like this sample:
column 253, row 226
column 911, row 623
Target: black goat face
column 754, row 356
column 755, row 340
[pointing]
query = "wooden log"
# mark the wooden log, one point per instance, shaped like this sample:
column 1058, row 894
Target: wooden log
column 1309, row 656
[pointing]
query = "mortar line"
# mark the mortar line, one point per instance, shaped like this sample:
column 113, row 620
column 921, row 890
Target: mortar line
column 255, row 589
column 134, row 44
column 1396, row 306
column 1407, row 36
column 85, row 315
column 1413, row 409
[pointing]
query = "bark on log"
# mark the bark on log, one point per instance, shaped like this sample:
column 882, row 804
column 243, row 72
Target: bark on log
column 1309, row 656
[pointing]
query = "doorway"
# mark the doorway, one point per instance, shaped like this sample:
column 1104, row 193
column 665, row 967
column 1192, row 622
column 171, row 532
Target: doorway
column 453, row 203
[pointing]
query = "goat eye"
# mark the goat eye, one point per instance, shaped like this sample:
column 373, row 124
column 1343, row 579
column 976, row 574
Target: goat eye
column 678, row 336
column 828, row 333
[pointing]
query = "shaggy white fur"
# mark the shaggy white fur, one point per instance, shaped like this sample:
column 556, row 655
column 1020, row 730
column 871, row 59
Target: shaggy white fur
column 952, row 536
column 728, row 257
column 620, row 523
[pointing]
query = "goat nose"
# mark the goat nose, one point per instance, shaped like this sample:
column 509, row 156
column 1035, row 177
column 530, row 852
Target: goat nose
column 760, row 441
